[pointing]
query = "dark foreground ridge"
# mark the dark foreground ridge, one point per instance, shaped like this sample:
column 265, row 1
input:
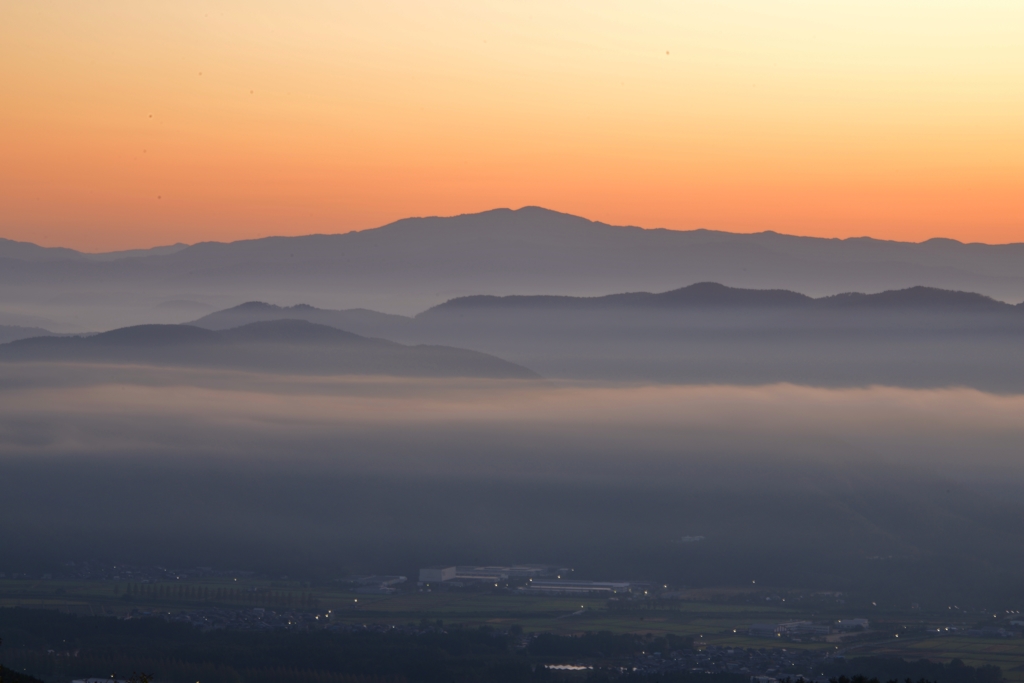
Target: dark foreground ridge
column 58, row 647
column 295, row 346
column 10, row 676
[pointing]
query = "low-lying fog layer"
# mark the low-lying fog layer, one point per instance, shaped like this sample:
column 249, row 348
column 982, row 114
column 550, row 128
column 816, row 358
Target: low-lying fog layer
column 86, row 409
column 878, row 489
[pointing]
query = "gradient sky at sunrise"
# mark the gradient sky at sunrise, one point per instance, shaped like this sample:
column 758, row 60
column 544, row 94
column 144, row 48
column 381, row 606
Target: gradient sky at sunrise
column 128, row 124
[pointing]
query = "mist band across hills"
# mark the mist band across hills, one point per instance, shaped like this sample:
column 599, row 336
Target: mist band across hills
column 711, row 334
column 417, row 263
column 706, row 333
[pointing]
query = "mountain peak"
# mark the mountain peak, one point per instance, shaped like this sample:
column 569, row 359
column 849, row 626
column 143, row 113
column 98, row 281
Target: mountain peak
column 918, row 297
column 251, row 306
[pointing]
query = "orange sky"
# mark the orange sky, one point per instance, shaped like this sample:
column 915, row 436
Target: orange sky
column 127, row 124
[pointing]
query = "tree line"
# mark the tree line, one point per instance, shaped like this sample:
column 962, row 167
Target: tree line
column 171, row 592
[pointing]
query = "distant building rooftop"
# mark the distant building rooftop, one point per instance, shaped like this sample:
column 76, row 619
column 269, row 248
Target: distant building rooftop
column 566, row 586
column 485, row 573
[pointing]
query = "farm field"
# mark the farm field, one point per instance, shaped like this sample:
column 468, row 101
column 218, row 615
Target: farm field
column 711, row 619
column 557, row 614
column 1006, row 653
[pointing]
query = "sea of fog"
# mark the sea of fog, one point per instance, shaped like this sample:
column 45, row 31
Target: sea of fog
column 882, row 490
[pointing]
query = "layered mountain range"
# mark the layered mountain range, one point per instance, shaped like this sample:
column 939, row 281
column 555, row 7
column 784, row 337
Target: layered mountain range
column 703, row 333
column 417, row 263
column 709, row 333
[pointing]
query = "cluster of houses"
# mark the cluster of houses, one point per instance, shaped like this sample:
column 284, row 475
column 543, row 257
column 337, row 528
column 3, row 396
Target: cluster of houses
column 804, row 629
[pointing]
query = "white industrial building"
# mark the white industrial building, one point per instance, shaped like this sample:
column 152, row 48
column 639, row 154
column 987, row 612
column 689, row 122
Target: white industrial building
column 577, row 587
column 484, row 573
column 437, row 574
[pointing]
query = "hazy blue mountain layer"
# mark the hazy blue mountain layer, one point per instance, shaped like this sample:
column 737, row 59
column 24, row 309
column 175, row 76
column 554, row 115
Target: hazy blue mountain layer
column 10, row 333
column 294, row 346
column 709, row 333
column 412, row 264
column 359, row 320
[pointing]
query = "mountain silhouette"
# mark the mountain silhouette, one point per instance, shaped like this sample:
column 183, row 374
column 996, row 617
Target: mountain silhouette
column 12, row 332
column 918, row 298
column 416, row 263
column 26, row 251
column 703, row 295
column 361, row 320
column 710, row 295
column 294, row 346
column 710, row 333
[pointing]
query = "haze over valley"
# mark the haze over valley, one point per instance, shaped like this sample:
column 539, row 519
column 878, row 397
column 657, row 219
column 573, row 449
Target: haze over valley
column 833, row 426
column 511, row 342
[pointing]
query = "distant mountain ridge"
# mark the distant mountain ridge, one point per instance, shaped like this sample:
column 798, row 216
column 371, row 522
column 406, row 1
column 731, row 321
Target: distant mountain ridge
column 295, row 346
column 702, row 294
column 12, row 332
column 706, row 295
column 439, row 324
column 359, row 320
column 27, row 251
column 416, row 263
column 710, row 333
column 715, row 295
